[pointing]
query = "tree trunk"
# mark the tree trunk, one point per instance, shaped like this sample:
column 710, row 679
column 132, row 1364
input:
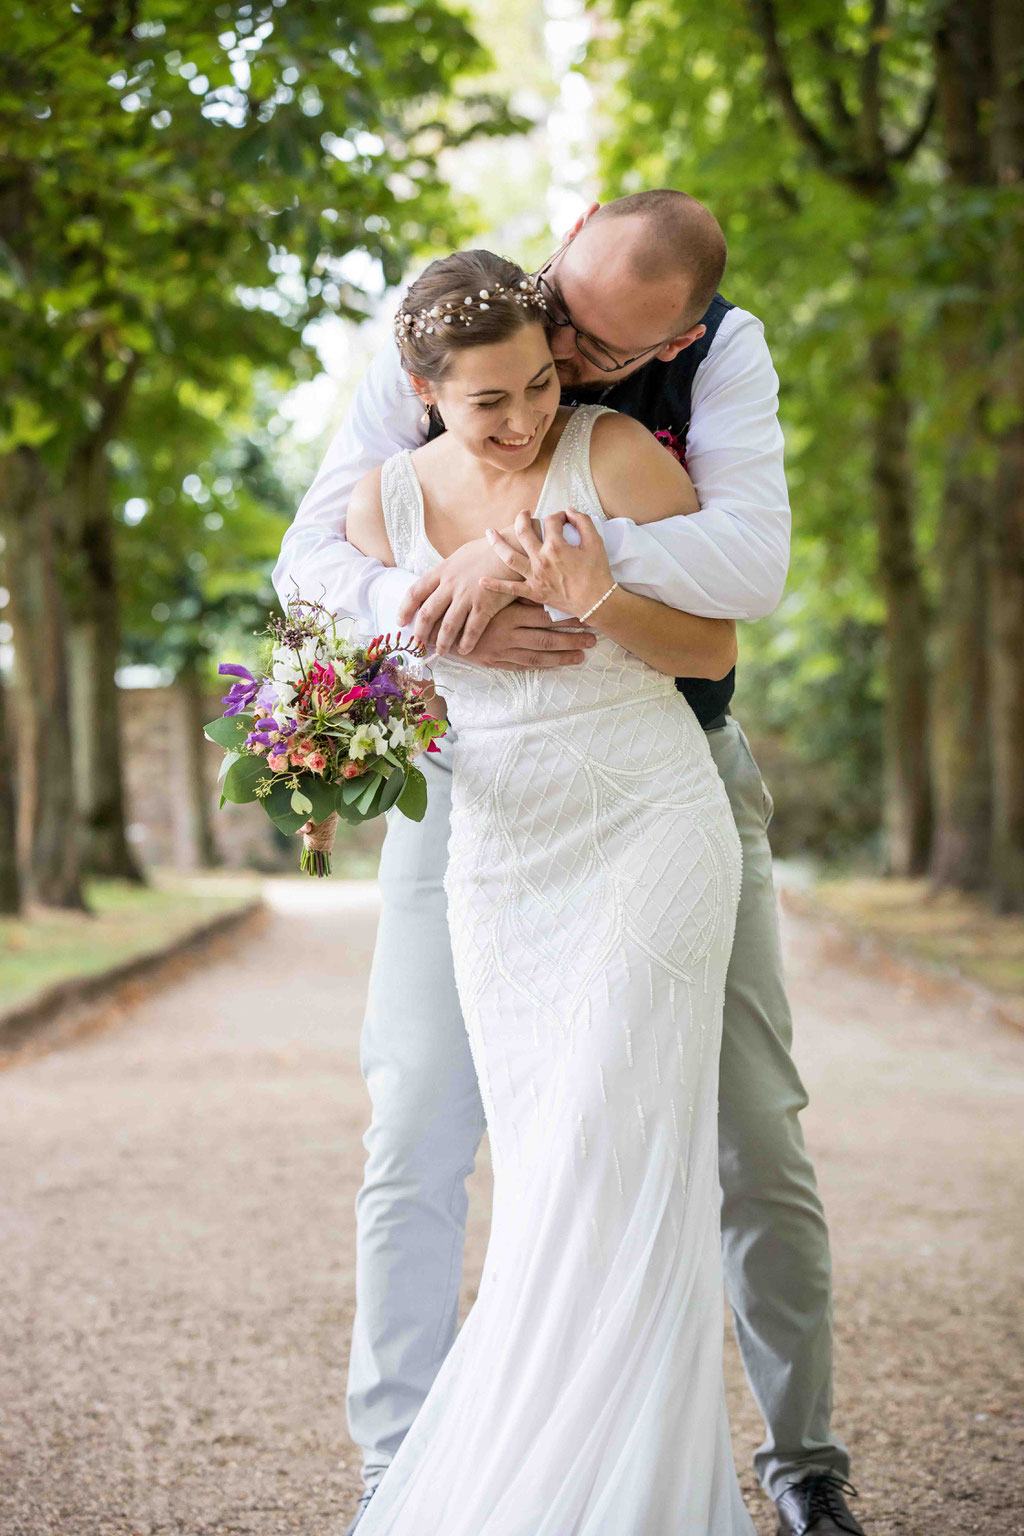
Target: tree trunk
column 96, row 716
column 960, row 687
column 10, row 878
column 200, row 785
column 1006, row 590
column 960, row 742
column 48, row 809
column 908, row 799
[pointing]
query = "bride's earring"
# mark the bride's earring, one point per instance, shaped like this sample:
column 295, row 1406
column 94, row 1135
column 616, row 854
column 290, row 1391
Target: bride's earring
column 425, row 418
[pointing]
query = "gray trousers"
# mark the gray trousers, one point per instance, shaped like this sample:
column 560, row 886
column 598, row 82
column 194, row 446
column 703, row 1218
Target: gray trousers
column 427, row 1123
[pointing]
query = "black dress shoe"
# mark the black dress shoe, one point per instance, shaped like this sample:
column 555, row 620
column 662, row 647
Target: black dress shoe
column 361, row 1508
column 816, row 1507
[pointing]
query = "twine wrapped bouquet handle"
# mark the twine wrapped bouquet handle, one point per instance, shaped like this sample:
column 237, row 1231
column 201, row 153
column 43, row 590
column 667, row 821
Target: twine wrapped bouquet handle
column 318, row 840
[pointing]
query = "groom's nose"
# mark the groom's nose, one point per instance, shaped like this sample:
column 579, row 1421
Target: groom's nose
column 562, row 341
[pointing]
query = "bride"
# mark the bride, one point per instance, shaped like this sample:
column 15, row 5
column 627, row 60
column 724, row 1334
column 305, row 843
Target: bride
column 593, row 876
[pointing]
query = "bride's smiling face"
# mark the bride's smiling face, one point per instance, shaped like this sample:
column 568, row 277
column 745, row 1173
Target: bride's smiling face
column 499, row 399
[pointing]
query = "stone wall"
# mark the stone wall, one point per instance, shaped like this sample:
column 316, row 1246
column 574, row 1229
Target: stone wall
column 160, row 811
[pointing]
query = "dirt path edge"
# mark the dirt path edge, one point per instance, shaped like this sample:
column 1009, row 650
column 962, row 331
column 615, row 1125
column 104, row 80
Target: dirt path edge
column 73, row 999
column 902, row 963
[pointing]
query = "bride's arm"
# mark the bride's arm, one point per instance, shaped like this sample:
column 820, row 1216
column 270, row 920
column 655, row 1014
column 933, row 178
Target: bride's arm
column 631, row 471
column 365, row 528
column 367, row 531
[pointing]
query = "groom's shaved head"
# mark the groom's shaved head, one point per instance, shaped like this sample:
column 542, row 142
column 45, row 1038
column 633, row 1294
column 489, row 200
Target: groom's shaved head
column 632, row 282
column 667, row 236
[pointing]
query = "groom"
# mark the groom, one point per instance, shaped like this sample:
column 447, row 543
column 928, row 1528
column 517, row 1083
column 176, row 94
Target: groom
column 637, row 323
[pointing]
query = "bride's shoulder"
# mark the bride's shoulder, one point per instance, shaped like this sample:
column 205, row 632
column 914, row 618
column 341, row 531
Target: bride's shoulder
column 614, row 435
column 627, row 459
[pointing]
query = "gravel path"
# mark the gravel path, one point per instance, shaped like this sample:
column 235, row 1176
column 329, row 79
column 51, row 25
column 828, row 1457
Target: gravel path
column 178, row 1267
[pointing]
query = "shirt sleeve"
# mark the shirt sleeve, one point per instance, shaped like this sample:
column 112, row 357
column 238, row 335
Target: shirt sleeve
column 316, row 560
column 729, row 560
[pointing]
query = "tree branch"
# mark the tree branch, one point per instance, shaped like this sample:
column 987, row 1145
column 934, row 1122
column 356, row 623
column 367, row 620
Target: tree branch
column 780, row 83
column 868, row 178
column 843, row 121
column 112, row 401
column 870, row 126
column 906, row 151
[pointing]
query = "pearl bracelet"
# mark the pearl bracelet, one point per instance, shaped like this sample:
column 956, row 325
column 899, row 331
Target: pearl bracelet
column 613, row 588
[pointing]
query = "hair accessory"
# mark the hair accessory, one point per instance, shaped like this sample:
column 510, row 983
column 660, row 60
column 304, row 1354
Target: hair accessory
column 425, row 322
column 613, row 588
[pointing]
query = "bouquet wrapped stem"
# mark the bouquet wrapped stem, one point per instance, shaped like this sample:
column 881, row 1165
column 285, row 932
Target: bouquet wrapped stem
column 317, row 842
column 328, row 732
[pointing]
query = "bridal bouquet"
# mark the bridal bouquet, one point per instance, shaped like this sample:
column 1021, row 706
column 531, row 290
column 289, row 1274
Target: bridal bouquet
column 328, row 731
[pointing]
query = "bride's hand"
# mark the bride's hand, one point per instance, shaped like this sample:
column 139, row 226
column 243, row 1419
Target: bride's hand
column 569, row 577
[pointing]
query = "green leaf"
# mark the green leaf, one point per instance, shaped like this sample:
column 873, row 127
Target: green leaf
column 412, row 802
column 366, row 798
column 229, row 730
column 242, row 777
column 301, row 803
column 349, row 814
column 226, row 761
column 352, row 789
column 392, row 789
column 278, row 806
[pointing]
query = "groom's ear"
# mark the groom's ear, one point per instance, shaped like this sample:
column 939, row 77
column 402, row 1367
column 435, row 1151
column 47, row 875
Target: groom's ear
column 571, row 234
column 679, row 344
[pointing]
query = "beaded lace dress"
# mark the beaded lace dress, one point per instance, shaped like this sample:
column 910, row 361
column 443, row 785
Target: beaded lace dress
column 592, row 884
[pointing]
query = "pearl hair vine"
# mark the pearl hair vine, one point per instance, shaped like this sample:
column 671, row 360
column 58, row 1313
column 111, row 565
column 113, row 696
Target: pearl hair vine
column 427, row 322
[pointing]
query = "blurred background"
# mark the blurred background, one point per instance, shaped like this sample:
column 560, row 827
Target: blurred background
column 206, row 212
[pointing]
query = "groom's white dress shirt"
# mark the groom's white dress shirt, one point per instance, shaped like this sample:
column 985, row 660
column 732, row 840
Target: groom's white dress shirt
column 728, row 560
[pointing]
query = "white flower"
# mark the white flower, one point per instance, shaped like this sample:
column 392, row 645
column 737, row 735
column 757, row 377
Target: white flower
column 366, row 740
column 285, row 666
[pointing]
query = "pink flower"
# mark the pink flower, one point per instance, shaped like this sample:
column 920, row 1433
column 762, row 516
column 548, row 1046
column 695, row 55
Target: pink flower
column 432, row 746
column 316, row 762
column 358, row 692
column 277, row 762
column 353, row 770
column 674, row 444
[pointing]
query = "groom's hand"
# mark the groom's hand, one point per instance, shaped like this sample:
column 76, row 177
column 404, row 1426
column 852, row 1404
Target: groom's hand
column 447, row 607
column 524, row 635
column 447, row 604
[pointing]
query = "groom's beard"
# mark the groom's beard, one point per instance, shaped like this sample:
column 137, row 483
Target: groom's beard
column 577, row 391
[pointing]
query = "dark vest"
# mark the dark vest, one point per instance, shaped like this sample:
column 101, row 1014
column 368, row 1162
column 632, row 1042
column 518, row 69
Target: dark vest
column 658, row 394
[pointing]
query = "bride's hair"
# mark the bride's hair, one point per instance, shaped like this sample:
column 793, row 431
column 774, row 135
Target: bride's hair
column 464, row 300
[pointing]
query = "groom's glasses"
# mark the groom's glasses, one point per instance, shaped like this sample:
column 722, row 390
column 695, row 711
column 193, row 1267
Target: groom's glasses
column 594, row 351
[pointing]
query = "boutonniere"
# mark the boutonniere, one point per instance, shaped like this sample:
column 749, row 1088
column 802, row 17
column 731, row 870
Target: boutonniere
column 674, row 444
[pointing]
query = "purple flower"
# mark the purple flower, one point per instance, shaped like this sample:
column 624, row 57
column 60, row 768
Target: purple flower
column 268, row 731
column 270, row 693
column 382, row 686
column 241, row 694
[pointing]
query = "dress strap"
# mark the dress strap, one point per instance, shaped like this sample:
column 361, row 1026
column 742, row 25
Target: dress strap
column 403, row 506
column 570, row 482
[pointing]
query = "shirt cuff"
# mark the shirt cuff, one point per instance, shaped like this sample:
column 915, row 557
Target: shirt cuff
column 389, row 590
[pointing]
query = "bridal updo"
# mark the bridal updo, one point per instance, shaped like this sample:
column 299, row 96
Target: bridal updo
column 464, row 300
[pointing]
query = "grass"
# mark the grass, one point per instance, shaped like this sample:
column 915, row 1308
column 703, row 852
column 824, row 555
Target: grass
column 944, row 928
column 126, row 921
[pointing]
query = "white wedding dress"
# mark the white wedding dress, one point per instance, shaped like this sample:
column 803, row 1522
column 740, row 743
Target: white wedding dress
column 592, row 886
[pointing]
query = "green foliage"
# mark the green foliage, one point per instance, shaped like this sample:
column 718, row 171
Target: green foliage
column 229, row 731
column 181, row 182
column 833, row 230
